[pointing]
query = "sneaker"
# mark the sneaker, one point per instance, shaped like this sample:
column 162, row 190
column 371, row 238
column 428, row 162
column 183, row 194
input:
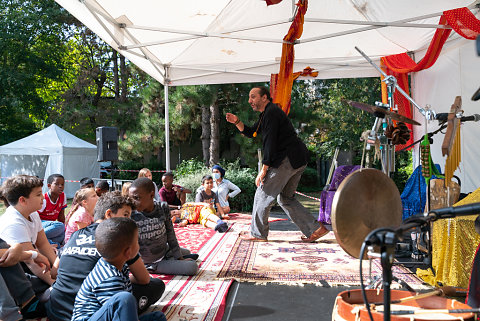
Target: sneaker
column 34, row 309
column 221, row 227
column 192, row 256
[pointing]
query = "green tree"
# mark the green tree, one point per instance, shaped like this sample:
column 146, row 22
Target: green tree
column 334, row 124
column 95, row 91
column 32, row 35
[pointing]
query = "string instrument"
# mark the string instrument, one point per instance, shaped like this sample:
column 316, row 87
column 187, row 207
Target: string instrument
column 451, row 142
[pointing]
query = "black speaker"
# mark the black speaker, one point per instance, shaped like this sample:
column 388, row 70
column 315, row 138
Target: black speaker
column 107, row 146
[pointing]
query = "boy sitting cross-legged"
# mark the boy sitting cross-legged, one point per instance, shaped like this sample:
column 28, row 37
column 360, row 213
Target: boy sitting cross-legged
column 106, row 292
column 21, row 224
column 79, row 256
column 158, row 244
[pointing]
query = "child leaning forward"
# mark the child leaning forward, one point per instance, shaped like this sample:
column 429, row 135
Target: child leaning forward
column 158, row 244
column 106, row 292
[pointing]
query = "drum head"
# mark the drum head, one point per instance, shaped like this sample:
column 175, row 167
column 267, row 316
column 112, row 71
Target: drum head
column 366, row 200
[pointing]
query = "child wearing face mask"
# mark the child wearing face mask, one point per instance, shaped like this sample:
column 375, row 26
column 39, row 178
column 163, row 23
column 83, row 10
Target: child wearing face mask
column 223, row 188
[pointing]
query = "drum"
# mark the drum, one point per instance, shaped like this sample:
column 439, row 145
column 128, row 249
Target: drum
column 349, row 306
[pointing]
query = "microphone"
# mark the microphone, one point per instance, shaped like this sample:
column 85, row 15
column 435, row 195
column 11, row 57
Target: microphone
column 444, row 116
column 476, row 95
column 474, row 117
column 449, row 212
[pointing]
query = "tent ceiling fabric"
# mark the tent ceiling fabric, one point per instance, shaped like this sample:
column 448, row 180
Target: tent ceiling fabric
column 192, row 42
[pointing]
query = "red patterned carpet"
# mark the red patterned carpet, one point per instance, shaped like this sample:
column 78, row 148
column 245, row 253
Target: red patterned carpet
column 284, row 259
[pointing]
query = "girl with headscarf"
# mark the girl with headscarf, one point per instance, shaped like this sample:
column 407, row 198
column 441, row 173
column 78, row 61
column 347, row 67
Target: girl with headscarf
column 223, row 188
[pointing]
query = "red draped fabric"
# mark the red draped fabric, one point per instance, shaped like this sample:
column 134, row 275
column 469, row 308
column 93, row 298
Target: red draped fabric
column 462, row 21
column 270, row 2
column 281, row 84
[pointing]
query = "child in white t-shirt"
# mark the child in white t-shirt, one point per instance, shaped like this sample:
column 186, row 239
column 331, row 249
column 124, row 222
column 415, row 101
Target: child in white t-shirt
column 21, row 224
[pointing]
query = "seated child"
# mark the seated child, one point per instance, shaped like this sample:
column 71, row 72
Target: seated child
column 200, row 213
column 101, row 188
column 174, row 195
column 81, row 214
column 86, row 182
column 79, row 256
column 158, row 244
column 52, row 212
column 206, row 195
column 21, row 224
column 125, row 188
column 17, row 296
column 145, row 172
column 106, row 292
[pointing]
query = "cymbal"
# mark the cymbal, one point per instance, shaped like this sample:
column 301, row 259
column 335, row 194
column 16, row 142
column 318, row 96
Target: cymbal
column 374, row 109
column 366, row 200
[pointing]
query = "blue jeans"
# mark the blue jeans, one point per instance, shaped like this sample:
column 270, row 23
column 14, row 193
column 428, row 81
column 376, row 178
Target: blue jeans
column 55, row 232
column 123, row 306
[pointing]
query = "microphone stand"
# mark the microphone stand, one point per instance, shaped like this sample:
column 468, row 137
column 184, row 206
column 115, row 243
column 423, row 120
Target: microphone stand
column 386, row 239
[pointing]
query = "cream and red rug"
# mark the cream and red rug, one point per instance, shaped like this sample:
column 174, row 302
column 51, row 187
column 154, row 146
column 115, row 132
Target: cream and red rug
column 284, row 259
column 202, row 296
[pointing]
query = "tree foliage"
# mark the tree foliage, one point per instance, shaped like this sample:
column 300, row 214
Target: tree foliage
column 32, row 36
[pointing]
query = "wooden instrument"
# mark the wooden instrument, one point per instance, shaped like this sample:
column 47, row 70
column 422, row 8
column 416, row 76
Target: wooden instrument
column 451, row 142
column 349, row 306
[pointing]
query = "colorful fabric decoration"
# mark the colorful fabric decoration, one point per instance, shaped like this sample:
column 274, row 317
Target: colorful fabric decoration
column 282, row 83
column 462, row 21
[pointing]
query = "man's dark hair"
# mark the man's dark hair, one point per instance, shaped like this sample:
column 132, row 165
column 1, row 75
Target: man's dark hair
column 111, row 201
column 168, row 174
column 53, row 177
column 206, row 178
column 114, row 235
column 103, row 185
column 264, row 91
column 143, row 183
column 17, row 186
column 85, row 181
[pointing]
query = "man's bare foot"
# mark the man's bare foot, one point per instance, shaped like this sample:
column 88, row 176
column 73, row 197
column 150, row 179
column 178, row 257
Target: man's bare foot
column 248, row 237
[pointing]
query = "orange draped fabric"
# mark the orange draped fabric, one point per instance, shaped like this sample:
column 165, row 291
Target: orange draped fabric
column 462, row 21
column 281, row 84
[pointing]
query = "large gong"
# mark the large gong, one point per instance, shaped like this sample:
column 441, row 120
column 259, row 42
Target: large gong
column 366, row 200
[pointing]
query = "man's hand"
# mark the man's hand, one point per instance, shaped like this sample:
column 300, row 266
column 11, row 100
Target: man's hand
column 260, row 178
column 231, row 118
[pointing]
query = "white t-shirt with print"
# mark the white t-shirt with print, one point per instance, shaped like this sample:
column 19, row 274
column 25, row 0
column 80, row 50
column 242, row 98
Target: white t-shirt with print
column 15, row 228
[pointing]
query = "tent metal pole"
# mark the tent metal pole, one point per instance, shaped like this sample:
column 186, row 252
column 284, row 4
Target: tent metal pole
column 167, row 120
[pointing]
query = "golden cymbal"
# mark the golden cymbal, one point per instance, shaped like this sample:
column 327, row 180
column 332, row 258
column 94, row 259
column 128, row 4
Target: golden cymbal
column 367, row 199
column 379, row 110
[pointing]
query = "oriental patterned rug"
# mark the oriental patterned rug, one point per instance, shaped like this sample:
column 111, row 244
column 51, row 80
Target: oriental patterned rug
column 284, row 259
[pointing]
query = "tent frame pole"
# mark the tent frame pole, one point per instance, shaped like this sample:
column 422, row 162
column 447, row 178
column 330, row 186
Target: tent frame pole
column 167, row 120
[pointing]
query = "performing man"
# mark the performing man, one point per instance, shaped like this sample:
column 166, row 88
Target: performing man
column 284, row 160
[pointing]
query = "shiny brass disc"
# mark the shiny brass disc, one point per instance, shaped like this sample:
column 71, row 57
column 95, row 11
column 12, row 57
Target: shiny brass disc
column 366, row 200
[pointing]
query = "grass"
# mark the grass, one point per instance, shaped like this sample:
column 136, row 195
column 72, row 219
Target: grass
column 311, row 205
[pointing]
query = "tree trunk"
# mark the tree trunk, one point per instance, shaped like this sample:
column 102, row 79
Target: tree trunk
column 206, row 134
column 215, row 134
column 116, row 80
column 124, row 75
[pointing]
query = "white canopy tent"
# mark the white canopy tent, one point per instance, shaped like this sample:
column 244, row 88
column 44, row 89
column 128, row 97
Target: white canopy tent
column 50, row 151
column 187, row 42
